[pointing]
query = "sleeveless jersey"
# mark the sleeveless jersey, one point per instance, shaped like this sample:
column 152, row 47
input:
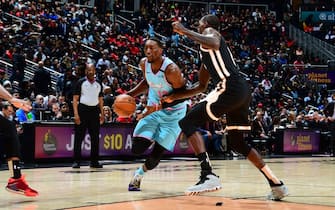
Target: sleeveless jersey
column 158, row 85
column 219, row 63
column 160, row 126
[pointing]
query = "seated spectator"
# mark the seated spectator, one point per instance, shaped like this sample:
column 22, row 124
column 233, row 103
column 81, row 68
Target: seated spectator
column 212, row 141
column 38, row 107
column 258, row 128
column 108, row 114
column 24, row 116
column 7, row 85
column 330, row 36
column 56, row 114
column 61, row 99
column 142, row 104
column 65, row 109
column 291, row 119
column 16, row 93
column 48, row 101
column 300, row 122
column 317, row 121
column 261, row 132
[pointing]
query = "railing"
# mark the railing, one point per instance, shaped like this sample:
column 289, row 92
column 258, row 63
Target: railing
column 133, row 67
column 89, row 5
column 304, row 65
column 29, row 71
column 84, row 46
column 180, row 44
column 21, row 20
column 32, row 67
column 225, row 6
column 38, row 27
column 119, row 19
column 312, row 45
column 8, row 67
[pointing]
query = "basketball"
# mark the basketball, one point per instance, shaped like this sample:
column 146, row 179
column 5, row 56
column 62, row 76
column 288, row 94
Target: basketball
column 124, row 105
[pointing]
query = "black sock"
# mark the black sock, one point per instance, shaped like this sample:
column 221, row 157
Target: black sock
column 15, row 168
column 270, row 181
column 205, row 163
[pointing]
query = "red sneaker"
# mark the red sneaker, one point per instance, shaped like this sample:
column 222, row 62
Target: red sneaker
column 20, row 186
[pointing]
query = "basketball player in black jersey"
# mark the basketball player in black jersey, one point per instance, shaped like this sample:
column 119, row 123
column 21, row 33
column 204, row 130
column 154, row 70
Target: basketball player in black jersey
column 9, row 140
column 231, row 97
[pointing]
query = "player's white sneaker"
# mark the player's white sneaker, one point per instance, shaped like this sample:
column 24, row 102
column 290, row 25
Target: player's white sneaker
column 135, row 183
column 278, row 192
column 207, row 183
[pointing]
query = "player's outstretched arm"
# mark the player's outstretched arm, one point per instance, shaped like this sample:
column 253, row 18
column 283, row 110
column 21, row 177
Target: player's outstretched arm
column 18, row 103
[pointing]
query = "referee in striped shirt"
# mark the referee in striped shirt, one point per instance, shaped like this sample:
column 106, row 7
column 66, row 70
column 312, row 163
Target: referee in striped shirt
column 88, row 115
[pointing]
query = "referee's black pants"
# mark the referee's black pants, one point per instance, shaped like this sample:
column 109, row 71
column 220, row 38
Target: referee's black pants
column 90, row 121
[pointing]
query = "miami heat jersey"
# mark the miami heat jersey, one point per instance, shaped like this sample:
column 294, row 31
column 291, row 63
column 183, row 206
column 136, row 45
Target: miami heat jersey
column 157, row 82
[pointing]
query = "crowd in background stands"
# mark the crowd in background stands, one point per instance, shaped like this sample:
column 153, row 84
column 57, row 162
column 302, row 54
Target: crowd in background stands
column 324, row 30
column 258, row 40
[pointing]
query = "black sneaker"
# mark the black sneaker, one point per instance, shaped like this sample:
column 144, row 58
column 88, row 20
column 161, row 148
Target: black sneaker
column 76, row 165
column 96, row 165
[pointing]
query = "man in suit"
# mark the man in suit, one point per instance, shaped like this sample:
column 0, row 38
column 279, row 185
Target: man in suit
column 258, row 128
column 330, row 114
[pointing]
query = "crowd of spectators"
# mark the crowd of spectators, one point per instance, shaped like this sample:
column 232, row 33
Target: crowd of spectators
column 320, row 27
column 54, row 33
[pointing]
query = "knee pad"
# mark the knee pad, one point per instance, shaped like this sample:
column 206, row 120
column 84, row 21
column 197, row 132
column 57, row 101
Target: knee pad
column 236, row 141
column 154, row 158
column 151, row 162
column 139, row 145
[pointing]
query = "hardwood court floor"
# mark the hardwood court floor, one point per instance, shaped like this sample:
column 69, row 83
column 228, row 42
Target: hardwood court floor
column 311, row 183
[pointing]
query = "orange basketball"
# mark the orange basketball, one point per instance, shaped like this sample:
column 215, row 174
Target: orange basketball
column 124, row 105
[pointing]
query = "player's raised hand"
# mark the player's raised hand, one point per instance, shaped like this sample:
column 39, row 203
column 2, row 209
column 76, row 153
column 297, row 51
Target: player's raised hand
column 178, row 27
